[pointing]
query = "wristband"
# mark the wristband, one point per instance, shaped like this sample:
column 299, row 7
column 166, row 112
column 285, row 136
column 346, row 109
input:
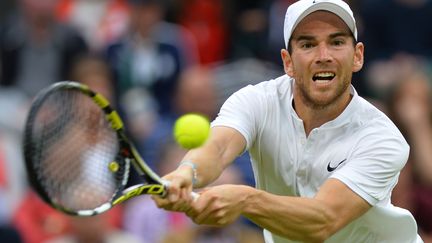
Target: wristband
column 194, row 170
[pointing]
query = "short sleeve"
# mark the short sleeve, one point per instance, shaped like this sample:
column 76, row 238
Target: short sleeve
column 373, row 169
column 240, row 112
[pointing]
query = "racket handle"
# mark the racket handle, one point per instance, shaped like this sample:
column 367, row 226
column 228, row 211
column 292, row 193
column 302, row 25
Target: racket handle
column 167, row 184
column 194, row 196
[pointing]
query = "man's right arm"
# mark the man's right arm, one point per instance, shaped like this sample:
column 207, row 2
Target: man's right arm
column 222, row 147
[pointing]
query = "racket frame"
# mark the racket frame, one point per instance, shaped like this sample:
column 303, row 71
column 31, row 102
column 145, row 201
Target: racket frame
column 154, row 186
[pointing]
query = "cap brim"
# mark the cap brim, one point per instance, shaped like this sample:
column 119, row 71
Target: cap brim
column 333, row 8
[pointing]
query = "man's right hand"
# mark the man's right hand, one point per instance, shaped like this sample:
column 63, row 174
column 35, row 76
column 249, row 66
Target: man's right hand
column 179, row 197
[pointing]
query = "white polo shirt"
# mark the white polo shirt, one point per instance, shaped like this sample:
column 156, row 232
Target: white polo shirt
column 361, row 147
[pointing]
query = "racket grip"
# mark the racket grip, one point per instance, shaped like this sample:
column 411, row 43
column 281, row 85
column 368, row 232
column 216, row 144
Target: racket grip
column 194, row 196
column 167, row 184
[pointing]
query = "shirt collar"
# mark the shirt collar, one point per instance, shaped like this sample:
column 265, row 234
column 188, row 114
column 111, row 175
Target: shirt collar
column 345, row 117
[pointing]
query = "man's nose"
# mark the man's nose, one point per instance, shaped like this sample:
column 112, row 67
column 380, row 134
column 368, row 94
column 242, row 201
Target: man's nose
column 323, row 54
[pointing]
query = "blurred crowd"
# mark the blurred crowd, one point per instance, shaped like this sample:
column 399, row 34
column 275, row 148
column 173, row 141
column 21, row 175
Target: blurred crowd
column 158, row 59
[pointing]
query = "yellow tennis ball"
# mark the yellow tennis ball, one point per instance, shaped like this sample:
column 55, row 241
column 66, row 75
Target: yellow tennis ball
column 191, row 130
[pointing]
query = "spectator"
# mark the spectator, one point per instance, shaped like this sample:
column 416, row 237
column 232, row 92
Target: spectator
column 35, row 50
column 36, row 221
column 13, row 185
column 149, row 56
column 196, row 92
column 392, row 28
column 249, row 29
column 383, row 75
column 94, row 72
column 95, row 229
column 8, row 233
column 205, row 19
column 5, row 8
column 101, row 22
column 276, row 15
column 410, row 107
column 142, row 218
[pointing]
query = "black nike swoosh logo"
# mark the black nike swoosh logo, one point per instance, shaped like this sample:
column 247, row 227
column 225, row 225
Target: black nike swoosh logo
column 330, row 169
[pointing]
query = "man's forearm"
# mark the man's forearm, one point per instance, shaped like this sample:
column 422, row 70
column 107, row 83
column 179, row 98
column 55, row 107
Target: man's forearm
column 306, row 219
column 224, row 145
column 208, row 164
column 296, row 218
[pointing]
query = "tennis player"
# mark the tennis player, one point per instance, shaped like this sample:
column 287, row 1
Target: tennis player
column 325, row 160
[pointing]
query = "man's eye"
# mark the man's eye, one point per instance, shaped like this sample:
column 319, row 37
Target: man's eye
column 306, row 45
column 338, row 42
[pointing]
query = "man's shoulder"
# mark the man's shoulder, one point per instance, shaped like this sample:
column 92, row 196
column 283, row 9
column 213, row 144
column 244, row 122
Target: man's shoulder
column 278, row 86
column 262, row 94
column 279, row 82
column 375, row 123
column 370, row 114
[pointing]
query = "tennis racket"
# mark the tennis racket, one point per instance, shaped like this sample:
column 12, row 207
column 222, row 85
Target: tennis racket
column 77, row 154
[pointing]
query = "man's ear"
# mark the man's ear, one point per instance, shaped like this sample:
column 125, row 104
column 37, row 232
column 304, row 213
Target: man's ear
column 287, row 62
column 358, row 57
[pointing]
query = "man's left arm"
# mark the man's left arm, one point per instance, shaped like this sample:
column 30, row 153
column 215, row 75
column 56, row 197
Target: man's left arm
column 297, row 218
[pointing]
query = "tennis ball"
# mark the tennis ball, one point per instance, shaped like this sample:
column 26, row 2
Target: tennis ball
column 191, row 130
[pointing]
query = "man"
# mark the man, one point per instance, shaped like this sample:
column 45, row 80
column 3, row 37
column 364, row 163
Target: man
column 325, row 160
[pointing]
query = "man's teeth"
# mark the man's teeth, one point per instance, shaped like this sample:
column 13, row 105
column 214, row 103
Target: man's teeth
column 327, row 76
column 324, row 75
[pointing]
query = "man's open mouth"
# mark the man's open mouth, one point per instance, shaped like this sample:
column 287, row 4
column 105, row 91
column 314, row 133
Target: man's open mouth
column 323, row 77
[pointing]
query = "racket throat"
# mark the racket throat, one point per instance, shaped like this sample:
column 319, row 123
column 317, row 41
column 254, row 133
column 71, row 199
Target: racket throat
column 152, row 189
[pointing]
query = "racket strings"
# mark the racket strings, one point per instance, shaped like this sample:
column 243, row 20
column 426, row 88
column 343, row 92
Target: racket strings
column 73, row 146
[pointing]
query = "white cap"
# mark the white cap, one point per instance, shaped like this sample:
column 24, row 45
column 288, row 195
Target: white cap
column 302, row 8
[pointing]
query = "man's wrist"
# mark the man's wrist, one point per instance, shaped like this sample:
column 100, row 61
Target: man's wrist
column 251, row 200
column 193, row 166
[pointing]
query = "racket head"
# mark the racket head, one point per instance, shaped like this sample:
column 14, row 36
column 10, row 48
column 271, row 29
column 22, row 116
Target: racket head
column 76, row 154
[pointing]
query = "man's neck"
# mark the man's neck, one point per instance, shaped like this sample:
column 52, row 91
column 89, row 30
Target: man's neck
column 314, row 117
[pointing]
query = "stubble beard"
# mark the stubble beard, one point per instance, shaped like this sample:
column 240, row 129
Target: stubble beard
column 316, row 104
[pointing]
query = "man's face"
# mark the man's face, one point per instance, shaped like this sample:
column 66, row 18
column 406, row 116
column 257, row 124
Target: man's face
column 323, row 59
